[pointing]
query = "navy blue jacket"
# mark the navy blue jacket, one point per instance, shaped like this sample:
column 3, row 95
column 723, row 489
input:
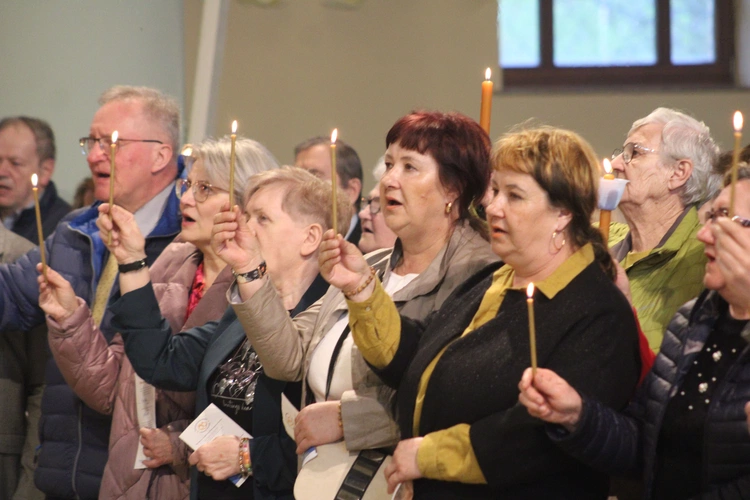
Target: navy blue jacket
column 184, row 362
column 627, row 443
column 74, row 437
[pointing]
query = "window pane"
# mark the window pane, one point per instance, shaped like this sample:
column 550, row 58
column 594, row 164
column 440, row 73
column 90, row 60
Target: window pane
column 518, row 21
column 692, row 32
column 604, row 32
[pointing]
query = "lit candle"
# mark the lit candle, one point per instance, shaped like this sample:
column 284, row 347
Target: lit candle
column 605, row 216
column 112, row 152
column 532, row 328
column 334, row 135
column 486, row 108
column 231, row 166
column 735, row 158
column 35, row 189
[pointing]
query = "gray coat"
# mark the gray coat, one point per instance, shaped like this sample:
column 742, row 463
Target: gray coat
column 22, row 360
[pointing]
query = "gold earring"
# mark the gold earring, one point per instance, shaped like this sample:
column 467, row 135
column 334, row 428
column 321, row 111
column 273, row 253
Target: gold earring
column 448, row 207
column 554, row 235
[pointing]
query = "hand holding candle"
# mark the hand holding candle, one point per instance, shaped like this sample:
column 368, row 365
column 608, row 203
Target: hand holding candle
column 112, row 153
column 735, row 158
column 532, row 327
column 486, row 108
column 35, row 189
column 610, row 194
column 231, row 165
column 334, row 135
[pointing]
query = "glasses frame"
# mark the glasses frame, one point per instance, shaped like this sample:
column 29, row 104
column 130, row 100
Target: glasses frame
column 713, row 214
column 368, row 203
column 627, row 157
column 182, row 185
column 105, row 143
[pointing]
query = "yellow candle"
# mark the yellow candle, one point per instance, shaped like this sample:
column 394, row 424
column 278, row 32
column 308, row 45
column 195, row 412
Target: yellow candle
column 231, row 166
column 532, row 328
column 334, row 135
column 735, row 158
column 112, row 152
column 605, row 216
column 35, row 189
column 486, row 109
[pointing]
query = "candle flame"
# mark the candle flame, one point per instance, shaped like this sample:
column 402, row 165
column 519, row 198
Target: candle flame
column 187, row 150
column 334, row 135
column 488, row 74
column 114, row 136
column 737, row 121
column 530, row 290
column 607, row 166
column 234, row 127
column 34, row 179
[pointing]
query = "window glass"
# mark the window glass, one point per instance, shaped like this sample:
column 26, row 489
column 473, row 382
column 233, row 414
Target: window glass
column 518, row 22
column 604, row 33
column 692, row 32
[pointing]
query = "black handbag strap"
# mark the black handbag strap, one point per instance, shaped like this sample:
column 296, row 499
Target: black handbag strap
column 360, row 475
column 334, row 358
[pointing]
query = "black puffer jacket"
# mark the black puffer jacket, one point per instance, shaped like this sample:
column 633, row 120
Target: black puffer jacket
column 627, row 443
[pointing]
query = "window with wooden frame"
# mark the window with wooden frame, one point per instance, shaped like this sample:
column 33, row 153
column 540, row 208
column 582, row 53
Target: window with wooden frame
column 557, row 43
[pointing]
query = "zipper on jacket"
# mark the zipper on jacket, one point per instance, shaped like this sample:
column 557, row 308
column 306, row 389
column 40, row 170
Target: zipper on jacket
column 78, row 452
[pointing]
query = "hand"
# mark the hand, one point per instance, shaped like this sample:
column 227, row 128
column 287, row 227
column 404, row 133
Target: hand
column 622, row 282
column 128, row 244
column 341, row 263
column 317, row 424
column 56, row 296
column 218, row 459
column 233, row 240
column 747, row 412
column 732, row 243
column 550, row 398
column 157, row 447
column 406, row 492
column 404, row 466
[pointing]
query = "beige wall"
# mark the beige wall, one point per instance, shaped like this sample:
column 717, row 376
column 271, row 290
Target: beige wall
column 302, row 67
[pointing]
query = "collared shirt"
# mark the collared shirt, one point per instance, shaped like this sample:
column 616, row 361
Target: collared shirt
column 447, row 454
column 147, row 217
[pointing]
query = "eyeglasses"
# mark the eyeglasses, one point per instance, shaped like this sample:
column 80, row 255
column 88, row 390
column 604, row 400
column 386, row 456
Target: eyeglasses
column 373, row 204
column 631, row 150
column 201, row 189
column 712, row 215
column 88, row 143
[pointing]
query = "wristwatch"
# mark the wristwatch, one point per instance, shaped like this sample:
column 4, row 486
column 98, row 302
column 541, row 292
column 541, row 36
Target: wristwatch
column 253, row 275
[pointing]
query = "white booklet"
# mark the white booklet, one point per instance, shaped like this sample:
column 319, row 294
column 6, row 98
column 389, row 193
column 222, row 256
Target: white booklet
column 145, row 404
column 210, row 424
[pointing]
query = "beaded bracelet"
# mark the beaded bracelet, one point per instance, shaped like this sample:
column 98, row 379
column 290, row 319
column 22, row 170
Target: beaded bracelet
column 246, row 468
column 362, row 286
column 341, row 421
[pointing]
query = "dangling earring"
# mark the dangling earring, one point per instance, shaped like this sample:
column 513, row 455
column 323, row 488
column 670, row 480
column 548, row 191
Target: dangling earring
column 554, row 235
column 448, row 207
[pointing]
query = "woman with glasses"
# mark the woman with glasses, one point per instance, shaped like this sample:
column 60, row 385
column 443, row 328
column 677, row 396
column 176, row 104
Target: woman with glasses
column 437, row 169
column 190, row 282
column 375, row 233
column 668, row 158
column 685, row 432
column 286, row 212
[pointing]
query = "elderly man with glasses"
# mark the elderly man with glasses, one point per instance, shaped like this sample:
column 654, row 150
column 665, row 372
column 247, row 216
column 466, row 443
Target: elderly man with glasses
column 668, row 158
column 74, row 437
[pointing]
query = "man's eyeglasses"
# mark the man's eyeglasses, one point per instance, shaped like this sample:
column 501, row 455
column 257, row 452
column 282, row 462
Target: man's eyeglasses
column 201, row 189
column 373, row 204
column 712, row 215
column 88, row 143
column 631, row 150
